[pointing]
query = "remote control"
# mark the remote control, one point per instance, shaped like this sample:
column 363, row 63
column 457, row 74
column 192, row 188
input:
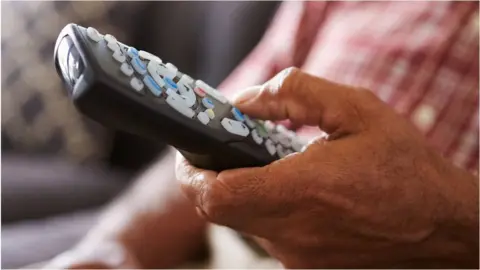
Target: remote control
column 134, row 91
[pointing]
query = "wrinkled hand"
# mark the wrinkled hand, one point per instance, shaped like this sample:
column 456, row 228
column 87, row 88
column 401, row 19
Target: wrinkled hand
column 370, row 194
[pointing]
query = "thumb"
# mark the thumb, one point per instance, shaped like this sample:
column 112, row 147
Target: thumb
column 307, row 100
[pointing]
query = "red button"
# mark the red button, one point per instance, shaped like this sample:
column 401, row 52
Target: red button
column 200, row 91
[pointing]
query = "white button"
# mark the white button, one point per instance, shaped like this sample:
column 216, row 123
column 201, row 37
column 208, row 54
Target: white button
column 256, row 137
column 178, row 104
column 210, row 113
column 186, row 91
column 283, row 139
column 126, row 69
column 269, row 126
column 297, row 145
column 187, row 79
column 113, row 46
column 164, row 71
column 93, row 34
column 136, row 84
column 152, row 70
column 171, row 67
column 235, row 127
column 110, row 38
column 249, row 121
column 148, row 56
column 119, row 56
column 203, row 117
column 211, row 91
column 270, row 147
column 281, row 152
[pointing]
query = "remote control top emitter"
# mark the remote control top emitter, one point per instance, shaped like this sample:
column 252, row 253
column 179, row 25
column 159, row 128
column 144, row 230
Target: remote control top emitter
column 134, row 91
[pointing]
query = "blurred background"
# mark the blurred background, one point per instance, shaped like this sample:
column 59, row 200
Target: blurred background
column 58, row 168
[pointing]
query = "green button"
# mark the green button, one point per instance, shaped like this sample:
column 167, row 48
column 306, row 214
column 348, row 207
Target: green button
column 262, row 131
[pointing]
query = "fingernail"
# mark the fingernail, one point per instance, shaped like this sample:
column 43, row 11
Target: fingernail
column 246, row 95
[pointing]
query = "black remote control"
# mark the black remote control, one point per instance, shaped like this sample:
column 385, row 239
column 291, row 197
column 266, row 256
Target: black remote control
column 130, row 90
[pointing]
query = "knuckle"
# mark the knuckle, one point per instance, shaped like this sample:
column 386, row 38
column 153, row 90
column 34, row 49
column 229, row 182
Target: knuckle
column 217, row 203
column 286, row 80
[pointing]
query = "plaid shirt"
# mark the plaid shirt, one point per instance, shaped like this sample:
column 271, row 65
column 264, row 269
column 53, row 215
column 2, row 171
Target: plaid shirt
column 419, row 57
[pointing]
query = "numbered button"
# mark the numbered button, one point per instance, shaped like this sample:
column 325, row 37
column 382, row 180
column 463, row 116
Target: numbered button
column 235, row 127
column 208, row 103
column 203, row 117
column 136, row 84
column 93, row 34
column 139, row 66
column 256, row 137
column 270, row 147
column 119, row 56
column 281, row 151
column 126, row 69
column 297, row 145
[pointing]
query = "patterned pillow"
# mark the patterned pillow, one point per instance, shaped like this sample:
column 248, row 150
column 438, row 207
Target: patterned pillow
column 37, row 117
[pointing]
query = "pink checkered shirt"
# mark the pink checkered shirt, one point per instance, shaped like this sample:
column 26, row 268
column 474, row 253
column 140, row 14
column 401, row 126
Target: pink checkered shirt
column 419, row 57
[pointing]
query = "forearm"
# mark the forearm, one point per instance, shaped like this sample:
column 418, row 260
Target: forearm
column 153, row 219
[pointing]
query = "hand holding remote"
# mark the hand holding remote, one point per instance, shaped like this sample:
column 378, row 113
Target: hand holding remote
column 370, row 194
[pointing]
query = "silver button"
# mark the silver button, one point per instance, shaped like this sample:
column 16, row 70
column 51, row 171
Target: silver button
column 270, row 147
column 93, row 34
column 211, row 91
column 256, row 137
column 235, row 127
column 177, row 103
column 136, row 84
column 148, row 56
column 203, row 117
column 126, row 69
column 119, row 56
column 152, row 70
column 249, row 122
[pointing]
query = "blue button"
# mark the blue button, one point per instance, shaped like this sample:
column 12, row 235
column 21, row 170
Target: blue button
column 139, row 66
column 152, row 85
column 238, row 115
column 208, row 103
column 170, row 83
column 132, row 52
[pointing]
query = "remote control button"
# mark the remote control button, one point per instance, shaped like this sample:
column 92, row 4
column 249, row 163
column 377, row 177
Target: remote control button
column 269, row 126
column 93, row 34
column 119, row 56
column 187, row 79
column 152, row 85
column 177, row 103
column 139, row 66
column 256, row 137
column 297, row 145
column 132, row 52
column 237, row 114
column 148, row 56
column 110, row 38
column 171, row 67
column 170, row 83
column 262, row 131
column 166, row 72
column 211, row 91
column 281, row 151
column 249, row 121
column 208, row 103
column 186, row 91
column 199, row 91
column 136, row 84
column 152, row 70
column 270, row 147
column 210, row 113
column 113, row 46
column 235, row 127
column 203, row 117
column 126, row 69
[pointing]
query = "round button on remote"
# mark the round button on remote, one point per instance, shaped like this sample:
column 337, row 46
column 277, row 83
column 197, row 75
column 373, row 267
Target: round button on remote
column 208, row 103
column 203, row 117
column 210, row 113
column 136, row 84
column 126, row 69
